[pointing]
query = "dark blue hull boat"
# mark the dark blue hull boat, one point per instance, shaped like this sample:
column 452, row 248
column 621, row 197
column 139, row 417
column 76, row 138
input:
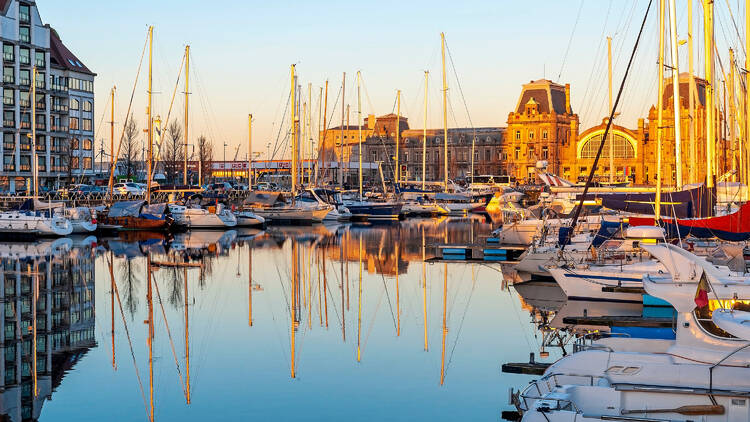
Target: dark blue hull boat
column 375, row 210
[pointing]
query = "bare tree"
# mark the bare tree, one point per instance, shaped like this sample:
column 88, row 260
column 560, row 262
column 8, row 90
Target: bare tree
column 205, row 156
column 172, row 153
column 130, row 150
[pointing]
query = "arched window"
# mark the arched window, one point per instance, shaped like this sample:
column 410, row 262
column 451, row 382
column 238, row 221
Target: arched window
column 73, row 104
column 623, row 147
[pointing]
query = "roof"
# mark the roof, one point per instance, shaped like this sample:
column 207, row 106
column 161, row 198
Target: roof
column 61, row 57
column 549, row 96
column 4, row 6
column 699, row 95
column 350, row 127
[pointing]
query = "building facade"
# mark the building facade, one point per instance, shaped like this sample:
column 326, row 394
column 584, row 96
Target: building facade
column 63, row 148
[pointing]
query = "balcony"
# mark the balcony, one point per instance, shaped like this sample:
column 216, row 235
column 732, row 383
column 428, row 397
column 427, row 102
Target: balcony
column 59, row 169
column 25, row 167
column 56, row 149
column 42, row 168
column 25, row 81
column 9, row 79
column 24, row 103
column 25, row 146
column 9, row 123
column 59, row 108
column 9, row 167
column 9, row 57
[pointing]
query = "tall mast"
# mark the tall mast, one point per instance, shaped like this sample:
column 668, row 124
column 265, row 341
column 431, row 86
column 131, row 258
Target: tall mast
column 397, row 175
column 359, row 123
column 150, row 120
column 150, row 340
column 112, row 132
column 445, row 113
column 250, row 152
column 691, row 99
column 445, row 322
column 322, row 105
column 743, row 151
column 732, row 120
column 308, row 141
column 187, row 109
column 303, row 136
column 676, row 93
column 293, row 103
column 341, row 151
column 708, row 25
column 424, row 131
column 660, row 112
column 609, row 111
column 34, row 160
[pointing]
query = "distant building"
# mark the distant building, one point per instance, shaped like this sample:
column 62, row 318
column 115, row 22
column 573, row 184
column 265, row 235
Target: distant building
column 64, row 104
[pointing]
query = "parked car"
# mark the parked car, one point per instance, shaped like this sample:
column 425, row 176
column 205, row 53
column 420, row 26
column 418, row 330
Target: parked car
column 129, row 188
column 266, row 186
column 220, row 187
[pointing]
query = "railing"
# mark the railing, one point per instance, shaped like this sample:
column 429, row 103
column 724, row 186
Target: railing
column 9, row 57
column 9, row 79
column 41, row 147
column 25, row 167
column 59, row 169
column 41, row 126
column 9, row 123
column 56, row 148
column 59, row 128
column 40, row 84
column 25, row 146
column 60, row 87
column 24, row 103
column 42, row 168
column 60, row 108
column 25, row 125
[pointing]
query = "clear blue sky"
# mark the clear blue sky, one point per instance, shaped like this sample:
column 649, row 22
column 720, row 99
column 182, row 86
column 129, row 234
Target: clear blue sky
column 241, row 52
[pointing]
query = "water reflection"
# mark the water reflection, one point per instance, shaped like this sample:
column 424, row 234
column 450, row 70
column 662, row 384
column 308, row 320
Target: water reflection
column 342, row 318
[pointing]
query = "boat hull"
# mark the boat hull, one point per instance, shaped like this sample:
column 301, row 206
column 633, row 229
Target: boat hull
column 374, row 211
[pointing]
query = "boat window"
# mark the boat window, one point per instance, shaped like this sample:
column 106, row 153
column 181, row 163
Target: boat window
column 703, row 315
column 630, row 370
column 614, row 369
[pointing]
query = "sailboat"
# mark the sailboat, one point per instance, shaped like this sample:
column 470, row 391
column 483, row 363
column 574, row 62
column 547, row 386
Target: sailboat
column 213, row 217
column 27, row 222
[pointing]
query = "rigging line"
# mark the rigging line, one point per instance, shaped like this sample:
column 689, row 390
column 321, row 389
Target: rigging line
column 393, row 316
column 461, row 325
column 594, row 68
column 104, row 114
column 132, row 352
column 130, row 105
column 734, row 23
column 281, row 125
column 579, row 207
column 169, row 112
column 570, row 41
column 460, row 88
column 171, row 342
column 372, row 321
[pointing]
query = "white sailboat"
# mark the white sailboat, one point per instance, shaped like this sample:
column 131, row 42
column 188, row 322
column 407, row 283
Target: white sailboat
column 215, row 217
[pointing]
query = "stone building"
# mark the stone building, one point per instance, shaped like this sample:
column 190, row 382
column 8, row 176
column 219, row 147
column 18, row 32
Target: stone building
column 63, row 148
column 382, row 127
column 542, row 127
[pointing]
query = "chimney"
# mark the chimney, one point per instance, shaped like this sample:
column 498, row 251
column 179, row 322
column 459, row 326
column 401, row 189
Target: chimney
column 567, row 99
column 371, row 121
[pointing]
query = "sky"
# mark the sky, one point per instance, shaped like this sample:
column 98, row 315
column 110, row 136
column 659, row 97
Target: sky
column 241, row 52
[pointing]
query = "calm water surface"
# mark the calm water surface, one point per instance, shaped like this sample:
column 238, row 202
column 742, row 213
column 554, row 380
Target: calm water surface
column 302, row 323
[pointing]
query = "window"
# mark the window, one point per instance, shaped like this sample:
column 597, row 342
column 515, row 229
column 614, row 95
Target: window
column 9, row 163
column 9, row 53
column 9, row 97
column 518, row 135
column 74, row 123
column 24, row 33
column 487, row 154
column 531, row 135
column 41, row 102
column 87, row 164
column 25, row 163
column 545, row 153
column 9, row 75
column 87, row 126
column 24, row 13
column 41, row 81
column 623, row 148
column 74, row 104
column 24, row 78
column 88, row 106
column 25, row 99
column 24, row 56
column 476, row 155
column 9, row 118
column 544, row 134
column 75, row 144
column 88, row 145
column 9, row 141
column 517, row 153
column 40, row 59
column 74, row 162
column 42, row 163
column 532, row 153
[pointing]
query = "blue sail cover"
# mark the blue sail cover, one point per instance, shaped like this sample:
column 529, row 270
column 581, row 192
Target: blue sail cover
column 607, row 230
column 693, row 203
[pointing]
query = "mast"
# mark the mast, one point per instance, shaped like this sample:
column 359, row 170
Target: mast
column 397, row 176
column 359, row 314
column 732, row 111
column 743, row 151
column 708, row 25
column 187, row 109
column 660, row 112
column 250, row 152
column 398, row 291
column 341, row 152
column 445, row 322
column 295, row 281
column 321, row 134
column 424, row 132
column 149, row 112
column 35, row 294
column 359, row 125
column 35, row 164
column 150, row 339
column 293, row 102
column 609, row 110
column 676, row 93
column 691, row 98
column 309, row 140
column 112, row 131
column 445, row 112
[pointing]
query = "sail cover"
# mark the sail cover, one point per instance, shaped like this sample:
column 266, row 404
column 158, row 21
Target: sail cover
column 126, row 209
column 691, row 203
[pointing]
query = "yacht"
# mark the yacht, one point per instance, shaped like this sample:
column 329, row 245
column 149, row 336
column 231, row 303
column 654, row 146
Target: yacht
column 82, row 219
column 28, row 223
column 700, row 375
column 212, row 217
column 247, row 218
